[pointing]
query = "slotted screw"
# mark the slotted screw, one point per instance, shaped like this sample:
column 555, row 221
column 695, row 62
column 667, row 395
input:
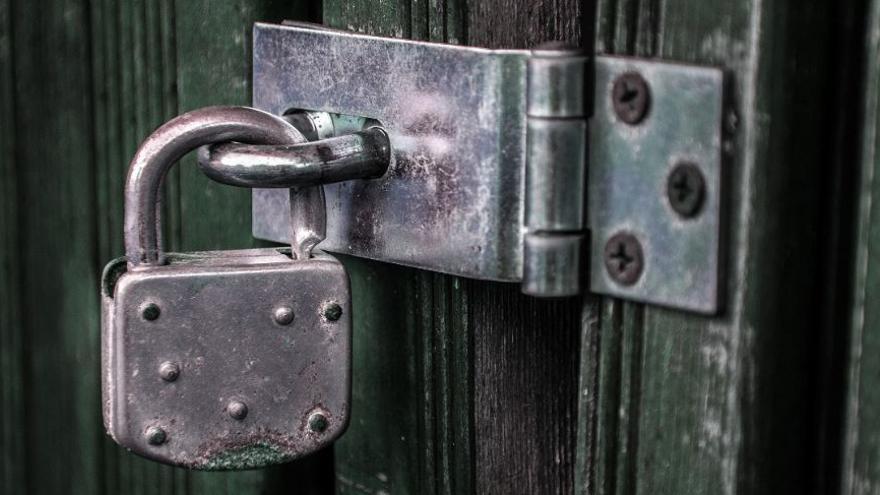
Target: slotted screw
column 685, row 189
column 623, row 258
column 631, row 97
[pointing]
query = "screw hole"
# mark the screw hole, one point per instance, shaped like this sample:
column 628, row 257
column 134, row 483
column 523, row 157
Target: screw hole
column 150, row 312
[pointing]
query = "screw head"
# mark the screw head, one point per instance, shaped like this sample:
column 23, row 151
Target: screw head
column 150, row 311
column 169, row 371
column 623, row 258
column 631, row 97
column 331, row 311
column 155, row 435
column 283, row 315
column 318, row 423
column 685, row 189
column 237, row 409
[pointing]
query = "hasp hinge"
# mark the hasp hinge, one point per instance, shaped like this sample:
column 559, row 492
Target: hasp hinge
column 550, row 167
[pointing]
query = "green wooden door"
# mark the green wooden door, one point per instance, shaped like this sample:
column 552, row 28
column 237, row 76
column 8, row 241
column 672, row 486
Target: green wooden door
column 858, row 359
column 462, row 386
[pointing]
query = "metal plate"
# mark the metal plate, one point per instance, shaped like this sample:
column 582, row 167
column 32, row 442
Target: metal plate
column 216, row 325
column 453, row 199
column 628, row 173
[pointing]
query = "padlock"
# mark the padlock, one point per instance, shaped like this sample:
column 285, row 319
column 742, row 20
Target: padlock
column 223, row 359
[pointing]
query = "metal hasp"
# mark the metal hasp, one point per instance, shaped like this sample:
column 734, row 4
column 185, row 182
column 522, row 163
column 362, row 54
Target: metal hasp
column 489, row 154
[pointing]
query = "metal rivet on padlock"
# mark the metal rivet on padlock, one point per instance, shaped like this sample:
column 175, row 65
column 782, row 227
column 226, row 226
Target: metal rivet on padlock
column 283, row 315
column 169, row 371
column 217, row 316
column 237, row 410
column 155, row 435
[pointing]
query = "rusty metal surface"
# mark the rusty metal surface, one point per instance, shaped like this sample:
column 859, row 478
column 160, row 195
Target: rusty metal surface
column 225, row 359
column 454, row 197
column 246, row 382
column 452, row 200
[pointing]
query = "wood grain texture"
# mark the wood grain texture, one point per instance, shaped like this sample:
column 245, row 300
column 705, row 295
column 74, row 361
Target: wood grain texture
column 12, row 442
column 526, row 390
column 56, row 251
column 690, row 404
column 860, row 468
column 521, row 24
column 214, row 46
column 487, row 402
column 410, row 430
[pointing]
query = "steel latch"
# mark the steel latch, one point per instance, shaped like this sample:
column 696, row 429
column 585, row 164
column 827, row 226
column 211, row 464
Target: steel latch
column 511, row 165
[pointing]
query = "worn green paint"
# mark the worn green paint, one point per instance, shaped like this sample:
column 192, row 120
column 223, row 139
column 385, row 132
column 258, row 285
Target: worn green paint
column 12, row 441
column 55, row 224
column 246, row 457
column 860, row 468
column 411, row 400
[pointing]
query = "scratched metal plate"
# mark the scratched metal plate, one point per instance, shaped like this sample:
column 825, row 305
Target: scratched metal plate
column 216, row 323
column 628, row 171
column 453, row 200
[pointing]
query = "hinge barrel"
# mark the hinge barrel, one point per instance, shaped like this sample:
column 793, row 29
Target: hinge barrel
column 555, row 179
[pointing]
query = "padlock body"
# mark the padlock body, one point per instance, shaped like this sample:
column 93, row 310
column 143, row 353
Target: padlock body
column 186, row 344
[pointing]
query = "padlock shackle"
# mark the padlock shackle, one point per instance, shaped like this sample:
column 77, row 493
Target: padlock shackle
column 170, row 142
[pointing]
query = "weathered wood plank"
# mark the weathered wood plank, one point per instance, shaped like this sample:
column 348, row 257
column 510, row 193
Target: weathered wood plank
column 12, row 442
column 409, row 430
column 860, row 468
column 526, row 366
column 724, row 405
column 488, row 401
column 59, row 274
column 520, row 24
